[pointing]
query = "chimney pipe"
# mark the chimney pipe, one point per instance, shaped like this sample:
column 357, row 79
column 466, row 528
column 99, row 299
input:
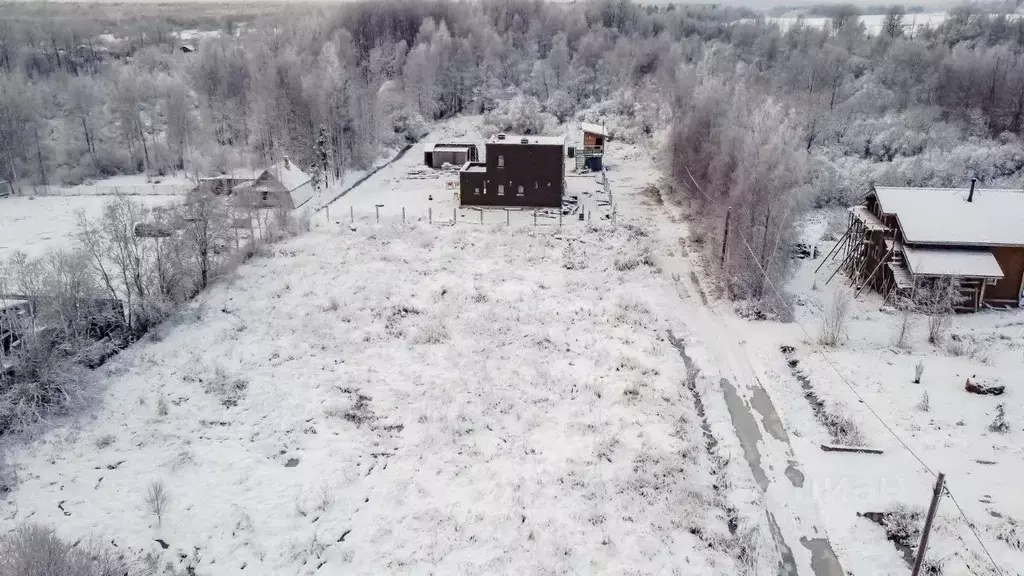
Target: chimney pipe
column 970, row 197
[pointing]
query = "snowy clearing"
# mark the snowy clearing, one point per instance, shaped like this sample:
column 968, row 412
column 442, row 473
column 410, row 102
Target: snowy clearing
column 37, row 224
column 471, row 399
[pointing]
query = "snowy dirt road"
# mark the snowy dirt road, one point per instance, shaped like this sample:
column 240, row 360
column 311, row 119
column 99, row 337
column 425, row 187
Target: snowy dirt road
column 791, row 512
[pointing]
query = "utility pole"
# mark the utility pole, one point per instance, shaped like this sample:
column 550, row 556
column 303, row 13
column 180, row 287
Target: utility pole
column 725, row 237
column 923, row 545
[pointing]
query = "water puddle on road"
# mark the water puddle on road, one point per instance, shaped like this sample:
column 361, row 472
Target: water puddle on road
column 823, row 559
column 747, row 430
column 760, row 401
column 796, row 477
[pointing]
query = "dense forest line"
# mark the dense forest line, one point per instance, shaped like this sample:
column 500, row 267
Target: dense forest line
column 754, row 119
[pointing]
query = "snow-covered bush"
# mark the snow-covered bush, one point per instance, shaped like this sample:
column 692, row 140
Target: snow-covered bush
column 8, row 479
column 999, row 424
column 157, row 499
column 903, row 525
column 842, row 429
column 430, row 332
column 964, row 345
column 1010, row 533
column 32, row 550
column 925, row 404
column 574, row 257
column 833, row 318
column 634, row 255
column 918, row 371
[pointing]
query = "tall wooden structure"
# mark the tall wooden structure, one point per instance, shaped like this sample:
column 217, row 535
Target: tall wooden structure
column 901, row 239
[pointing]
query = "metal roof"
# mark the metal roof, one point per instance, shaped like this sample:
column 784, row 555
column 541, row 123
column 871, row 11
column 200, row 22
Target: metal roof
column 518, row 139
column 959, row 262
column 943, row 216
column 431, row 146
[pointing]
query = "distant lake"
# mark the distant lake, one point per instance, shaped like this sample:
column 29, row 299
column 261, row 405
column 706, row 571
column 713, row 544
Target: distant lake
column 873, row 22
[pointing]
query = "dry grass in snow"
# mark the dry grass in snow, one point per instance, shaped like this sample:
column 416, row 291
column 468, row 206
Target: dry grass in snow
column 403, row 399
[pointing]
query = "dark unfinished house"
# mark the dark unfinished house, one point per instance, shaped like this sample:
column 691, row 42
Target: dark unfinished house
column 437, row 155
column 524, row 171
column 902, row 239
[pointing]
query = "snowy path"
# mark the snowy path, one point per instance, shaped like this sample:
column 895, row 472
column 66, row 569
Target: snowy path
column 793, row 516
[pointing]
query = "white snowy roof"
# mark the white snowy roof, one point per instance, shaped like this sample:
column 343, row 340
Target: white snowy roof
column 593, row 128
column 236, row 174
column 288, row 174
column 302, row 194
column 944, row 216
column 518, row 139
column 965, row 263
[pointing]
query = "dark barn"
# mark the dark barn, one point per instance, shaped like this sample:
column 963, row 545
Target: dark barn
column 437, row 155
column 519, row 171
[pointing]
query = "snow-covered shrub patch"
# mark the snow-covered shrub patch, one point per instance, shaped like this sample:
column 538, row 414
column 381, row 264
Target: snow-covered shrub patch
column 999, row 424
column 842, row 429
column 430, row 332
column 227, row 388
column 833, row 318
column 1010, row 533
column 633, row 256
column 105, row 441
column 903, row 525
column 33, row 550
column 630, row 310
column 574, row 256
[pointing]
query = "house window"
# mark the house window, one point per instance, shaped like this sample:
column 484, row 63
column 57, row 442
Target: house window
column 519, row 192
column 501, row 189
column 501, row 161
column 476, row 191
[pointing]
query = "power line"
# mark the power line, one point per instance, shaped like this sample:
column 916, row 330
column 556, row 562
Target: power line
column 842, row 378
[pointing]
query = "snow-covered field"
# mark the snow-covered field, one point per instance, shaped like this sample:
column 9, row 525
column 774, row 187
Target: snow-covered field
column 37, row 224
column 427, row 398
column 412, row 399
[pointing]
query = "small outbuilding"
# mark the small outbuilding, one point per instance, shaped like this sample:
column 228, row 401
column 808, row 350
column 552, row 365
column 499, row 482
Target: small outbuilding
column 283, row 184
column 901, row 239
column 436, row 155
column 594, row 136
column 5, row 189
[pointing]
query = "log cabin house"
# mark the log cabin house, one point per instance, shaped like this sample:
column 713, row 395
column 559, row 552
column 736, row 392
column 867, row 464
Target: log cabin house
column 901, row 239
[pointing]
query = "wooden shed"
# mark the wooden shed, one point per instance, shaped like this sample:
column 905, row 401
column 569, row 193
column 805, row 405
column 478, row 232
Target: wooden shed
column 902, row 238
column 594, row 136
